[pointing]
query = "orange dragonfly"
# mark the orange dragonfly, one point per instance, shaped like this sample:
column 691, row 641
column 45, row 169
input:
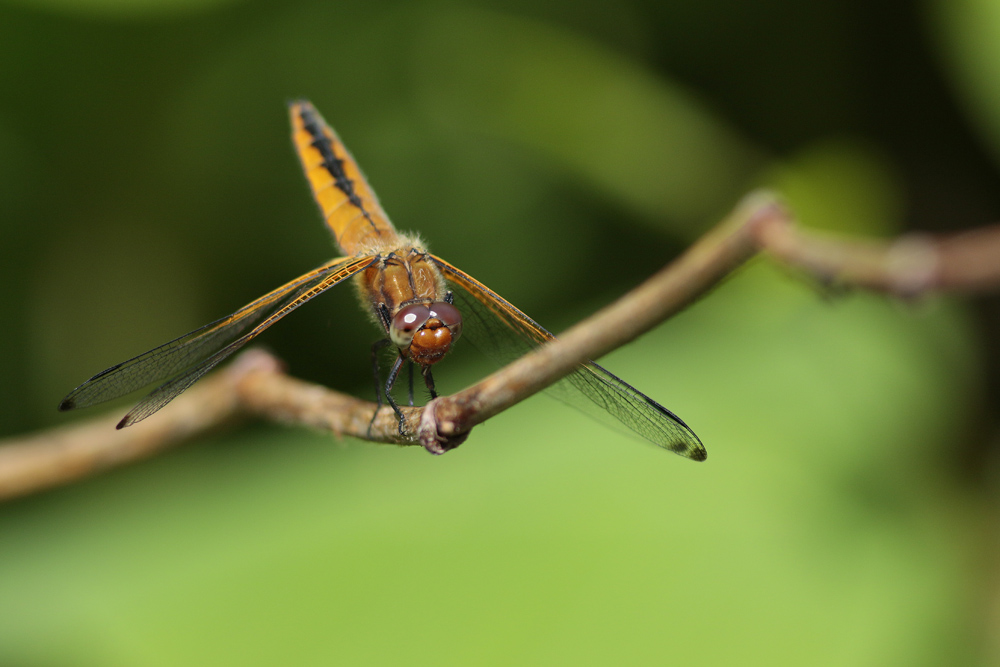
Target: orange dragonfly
column 415, row 297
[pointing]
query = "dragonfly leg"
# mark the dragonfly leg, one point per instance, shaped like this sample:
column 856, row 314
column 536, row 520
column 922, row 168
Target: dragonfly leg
column 384, row 316
column 390, row 381
column 429, row 380
column 376, row 347
column 409, row 373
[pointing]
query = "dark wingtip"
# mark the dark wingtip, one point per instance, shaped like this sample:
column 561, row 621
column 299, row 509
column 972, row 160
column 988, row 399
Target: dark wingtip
column 695, row 452
column 66, row 404
column 123, row 423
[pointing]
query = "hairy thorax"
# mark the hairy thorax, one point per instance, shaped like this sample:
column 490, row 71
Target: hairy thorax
column 402, row 274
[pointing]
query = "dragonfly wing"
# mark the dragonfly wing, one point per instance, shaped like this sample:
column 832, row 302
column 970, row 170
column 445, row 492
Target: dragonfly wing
column 504, row 333
column 184, row 360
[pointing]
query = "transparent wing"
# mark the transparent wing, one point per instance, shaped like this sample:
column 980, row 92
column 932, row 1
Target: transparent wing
column 184, row 360
column 504, row 333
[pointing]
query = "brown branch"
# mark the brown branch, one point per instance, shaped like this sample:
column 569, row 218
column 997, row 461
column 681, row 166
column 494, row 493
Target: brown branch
column 907, row 266
column 65, row 454
column 255, row 385
column 271, row 394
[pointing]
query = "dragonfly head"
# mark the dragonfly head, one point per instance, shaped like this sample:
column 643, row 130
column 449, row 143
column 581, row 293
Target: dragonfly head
column 424, row 332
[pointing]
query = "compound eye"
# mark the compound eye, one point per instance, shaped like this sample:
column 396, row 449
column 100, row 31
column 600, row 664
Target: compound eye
column 449, row 316
column 406, row 323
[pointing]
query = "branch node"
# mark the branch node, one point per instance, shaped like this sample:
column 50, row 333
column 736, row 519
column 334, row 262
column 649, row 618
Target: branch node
column 912, row 264
column 438, row 437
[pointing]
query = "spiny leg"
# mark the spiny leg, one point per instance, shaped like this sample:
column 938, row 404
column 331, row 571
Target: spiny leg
column 409, row 372
column 384, row 316
column 376, row 347
column 390, row 381
column 429, row 380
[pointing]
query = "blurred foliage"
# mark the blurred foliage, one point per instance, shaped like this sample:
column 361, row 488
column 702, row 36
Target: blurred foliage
column 841, row 185
column 559, row 151
column 968, row 33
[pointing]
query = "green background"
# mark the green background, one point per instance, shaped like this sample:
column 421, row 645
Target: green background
column 560, row 151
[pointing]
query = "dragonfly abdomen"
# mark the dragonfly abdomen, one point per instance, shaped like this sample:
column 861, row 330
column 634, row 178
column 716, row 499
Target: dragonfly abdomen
column 348, row 204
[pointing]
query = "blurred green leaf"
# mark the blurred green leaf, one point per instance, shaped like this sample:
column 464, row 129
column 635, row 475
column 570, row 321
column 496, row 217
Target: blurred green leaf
column 124, row 9
column 968, row 34
column 841, row 186
column 641, row 139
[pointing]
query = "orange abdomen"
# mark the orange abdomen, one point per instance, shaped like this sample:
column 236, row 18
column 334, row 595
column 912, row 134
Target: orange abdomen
column 348, row 204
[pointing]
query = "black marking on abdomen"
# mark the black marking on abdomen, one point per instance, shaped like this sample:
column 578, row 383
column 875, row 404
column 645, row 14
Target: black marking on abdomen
column 314, row 125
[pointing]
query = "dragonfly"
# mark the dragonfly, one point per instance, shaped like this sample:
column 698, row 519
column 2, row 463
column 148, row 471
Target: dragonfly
column 422, row 304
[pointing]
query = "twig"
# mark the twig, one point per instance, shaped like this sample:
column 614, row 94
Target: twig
column 906, row 266
column 255, row 384
column 269, row 393
column 65, row 454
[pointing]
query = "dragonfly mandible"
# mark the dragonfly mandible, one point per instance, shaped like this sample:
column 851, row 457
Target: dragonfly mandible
column 422, row 303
